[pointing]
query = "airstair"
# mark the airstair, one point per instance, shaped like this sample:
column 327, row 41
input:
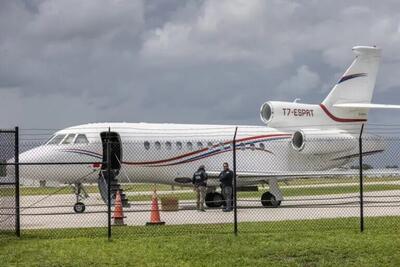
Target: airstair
column 114, row 185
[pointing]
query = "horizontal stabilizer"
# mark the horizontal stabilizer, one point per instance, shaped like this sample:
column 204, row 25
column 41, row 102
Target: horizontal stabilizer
column 366, row 105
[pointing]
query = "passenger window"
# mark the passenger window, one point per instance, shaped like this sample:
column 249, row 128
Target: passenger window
column 81, row 139
column 179, row 145
column 242, row 146
column 210, row 144
column 56, row 140
column 168, row 145
column 262, row 146
column 199, row 145
column 189, row 146
column 222, row 145
column 147, row 145
column 69, row 139
column 157, row 145
column 252, row 146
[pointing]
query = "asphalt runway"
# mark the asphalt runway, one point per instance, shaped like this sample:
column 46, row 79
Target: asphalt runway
column 40, row 212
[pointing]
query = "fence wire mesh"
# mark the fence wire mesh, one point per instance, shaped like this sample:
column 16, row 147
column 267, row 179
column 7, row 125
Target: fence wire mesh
column 67, row 181
column 8, row 201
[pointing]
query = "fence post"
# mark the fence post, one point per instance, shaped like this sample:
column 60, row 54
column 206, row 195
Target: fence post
column 235, row 223
column 361, row 180
column 109, row 183
column 17, row 204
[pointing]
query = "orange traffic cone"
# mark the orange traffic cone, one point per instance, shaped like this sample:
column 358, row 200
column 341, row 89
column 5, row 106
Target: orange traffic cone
column 155, row 212
column 118, row 212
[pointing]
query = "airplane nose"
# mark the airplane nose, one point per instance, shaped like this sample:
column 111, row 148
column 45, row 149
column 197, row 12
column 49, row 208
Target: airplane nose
column 46, row 163
column 31, row 156
column 35, row 155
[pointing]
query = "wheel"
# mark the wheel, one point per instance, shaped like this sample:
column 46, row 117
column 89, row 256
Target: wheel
column 269, row 200
column 79, row 207
column 209, row 200
column 214, row 200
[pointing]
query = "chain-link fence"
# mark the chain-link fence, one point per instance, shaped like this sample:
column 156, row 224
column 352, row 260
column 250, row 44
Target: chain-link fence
column 9, row 183
column 115, row 181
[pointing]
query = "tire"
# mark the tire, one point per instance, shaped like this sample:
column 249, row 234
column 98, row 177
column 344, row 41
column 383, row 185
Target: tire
column 269, row 200
column 79, row 207
column 214, row 200
column 209, row 200
column 218, row 200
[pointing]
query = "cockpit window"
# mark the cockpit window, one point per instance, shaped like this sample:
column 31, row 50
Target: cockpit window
column 56, row 139
column 81, row 139
column 48, row 140
column 69, row 139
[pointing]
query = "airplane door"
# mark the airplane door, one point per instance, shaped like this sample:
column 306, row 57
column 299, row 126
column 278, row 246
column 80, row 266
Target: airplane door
column 116, row 150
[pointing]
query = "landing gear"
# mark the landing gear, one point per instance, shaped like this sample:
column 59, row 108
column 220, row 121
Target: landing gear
column 80, row 194
column 214, row 200
column 274, row 197
column 79, row 207
column 269, row 200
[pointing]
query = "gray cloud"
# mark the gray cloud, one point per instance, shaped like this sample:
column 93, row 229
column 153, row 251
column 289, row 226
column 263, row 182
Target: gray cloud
column 304, row 81
column 66, row 62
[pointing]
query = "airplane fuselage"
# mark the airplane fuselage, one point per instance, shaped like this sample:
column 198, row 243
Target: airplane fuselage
column 171, row 153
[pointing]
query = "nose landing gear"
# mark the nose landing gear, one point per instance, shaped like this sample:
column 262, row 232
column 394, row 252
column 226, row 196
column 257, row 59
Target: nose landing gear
column 80, row 194
column 79, row 207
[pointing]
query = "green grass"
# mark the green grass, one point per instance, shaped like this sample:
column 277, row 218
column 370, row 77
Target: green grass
column 328, row 242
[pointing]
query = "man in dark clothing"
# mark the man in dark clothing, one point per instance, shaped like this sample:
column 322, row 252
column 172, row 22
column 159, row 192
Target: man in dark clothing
column 226, row 178
column 200, row 186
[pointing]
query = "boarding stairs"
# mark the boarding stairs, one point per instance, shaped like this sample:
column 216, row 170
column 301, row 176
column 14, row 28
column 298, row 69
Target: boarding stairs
column 114, row 185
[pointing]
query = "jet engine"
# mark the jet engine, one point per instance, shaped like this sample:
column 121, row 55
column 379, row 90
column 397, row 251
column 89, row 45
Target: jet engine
column 289, row 114
column 323, row 141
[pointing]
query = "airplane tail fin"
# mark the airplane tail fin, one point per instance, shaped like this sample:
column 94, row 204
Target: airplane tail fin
column 355, row 87
column 358, row 82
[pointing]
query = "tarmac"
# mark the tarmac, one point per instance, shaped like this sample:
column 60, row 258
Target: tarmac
column 56, row 211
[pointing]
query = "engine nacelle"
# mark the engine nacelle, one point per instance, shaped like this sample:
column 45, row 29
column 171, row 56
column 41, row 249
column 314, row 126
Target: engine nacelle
column 289, row 114
column 323, row 141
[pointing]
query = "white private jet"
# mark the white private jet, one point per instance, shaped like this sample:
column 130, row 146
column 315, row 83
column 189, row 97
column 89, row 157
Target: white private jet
column 170, row 153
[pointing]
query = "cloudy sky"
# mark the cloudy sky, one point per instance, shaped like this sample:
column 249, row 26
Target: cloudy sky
column 66, row 62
